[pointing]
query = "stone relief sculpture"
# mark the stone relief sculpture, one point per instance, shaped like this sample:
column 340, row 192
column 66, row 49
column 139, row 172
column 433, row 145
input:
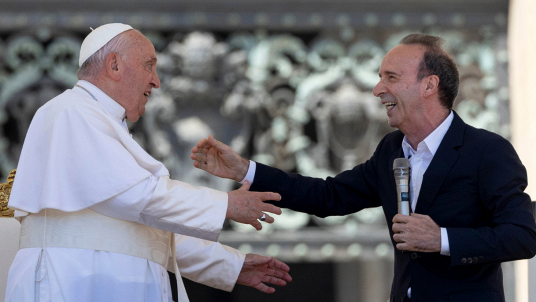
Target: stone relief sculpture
column 302, row 105
column 34, row 68
column 483, row 96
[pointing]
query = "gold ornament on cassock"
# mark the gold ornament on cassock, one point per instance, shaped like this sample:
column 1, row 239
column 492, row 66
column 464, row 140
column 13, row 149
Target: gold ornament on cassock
column 5, row 191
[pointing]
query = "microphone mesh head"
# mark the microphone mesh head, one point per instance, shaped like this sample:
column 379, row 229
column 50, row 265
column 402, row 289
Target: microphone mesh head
column 401, row 163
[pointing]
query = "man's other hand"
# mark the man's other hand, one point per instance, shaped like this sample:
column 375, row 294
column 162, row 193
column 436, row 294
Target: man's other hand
column 418, row 233
column 219, row 159
column 247, row 207
column 258, row 270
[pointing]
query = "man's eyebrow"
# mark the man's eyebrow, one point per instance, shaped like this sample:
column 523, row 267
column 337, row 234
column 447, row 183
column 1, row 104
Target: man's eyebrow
column 152, row 60
column 388, row 73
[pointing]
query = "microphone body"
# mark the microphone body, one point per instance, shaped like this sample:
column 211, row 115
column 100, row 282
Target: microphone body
column 402, row 170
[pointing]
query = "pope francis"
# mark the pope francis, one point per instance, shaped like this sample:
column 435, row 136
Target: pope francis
column 100, row 218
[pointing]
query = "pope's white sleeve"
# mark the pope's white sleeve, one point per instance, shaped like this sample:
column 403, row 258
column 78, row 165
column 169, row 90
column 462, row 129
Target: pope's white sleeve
column 209, row 263
column 170, row 205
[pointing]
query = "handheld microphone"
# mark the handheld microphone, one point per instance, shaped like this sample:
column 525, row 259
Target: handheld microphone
column 402, row 170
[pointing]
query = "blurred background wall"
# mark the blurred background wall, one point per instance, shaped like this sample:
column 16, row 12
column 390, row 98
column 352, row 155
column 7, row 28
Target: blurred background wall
column 287, row 83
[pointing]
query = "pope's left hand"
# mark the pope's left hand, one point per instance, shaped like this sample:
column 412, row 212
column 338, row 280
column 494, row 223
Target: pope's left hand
column 418, row 233
column 258, row 269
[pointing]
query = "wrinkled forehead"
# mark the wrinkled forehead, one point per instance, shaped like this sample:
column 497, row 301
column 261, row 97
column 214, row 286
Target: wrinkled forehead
column 137, row 39
column 140, row 46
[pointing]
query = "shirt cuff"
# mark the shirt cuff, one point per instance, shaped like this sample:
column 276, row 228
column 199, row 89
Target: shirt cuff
column 445, row 248
column 250, row 176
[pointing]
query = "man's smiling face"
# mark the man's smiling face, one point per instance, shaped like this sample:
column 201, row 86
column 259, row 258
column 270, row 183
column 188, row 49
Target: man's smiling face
column 398, row 88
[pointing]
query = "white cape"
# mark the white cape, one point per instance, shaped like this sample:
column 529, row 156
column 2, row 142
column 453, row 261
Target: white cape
column 69, row 135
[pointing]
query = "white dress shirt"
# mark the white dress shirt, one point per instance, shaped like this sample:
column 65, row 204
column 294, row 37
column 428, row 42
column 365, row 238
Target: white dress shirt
column 420, row 159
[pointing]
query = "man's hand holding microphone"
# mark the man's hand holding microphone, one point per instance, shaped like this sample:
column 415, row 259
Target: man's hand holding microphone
column 413, row 232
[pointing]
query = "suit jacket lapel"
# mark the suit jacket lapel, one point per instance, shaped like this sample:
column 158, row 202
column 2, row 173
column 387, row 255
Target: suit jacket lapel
column 445, row 157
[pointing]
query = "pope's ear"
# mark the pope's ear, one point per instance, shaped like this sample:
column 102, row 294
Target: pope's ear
column 113, row 66
column 431, row 85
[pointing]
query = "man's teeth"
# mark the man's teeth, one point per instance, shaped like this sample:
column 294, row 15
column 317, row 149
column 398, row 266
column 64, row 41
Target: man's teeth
column 146, row 93
column 388, row 106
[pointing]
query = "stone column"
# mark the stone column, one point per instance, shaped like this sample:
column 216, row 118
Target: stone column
column 522, row 51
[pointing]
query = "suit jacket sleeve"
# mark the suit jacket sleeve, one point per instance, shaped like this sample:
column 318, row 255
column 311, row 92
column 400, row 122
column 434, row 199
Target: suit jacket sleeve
column 512, row 235
column 348, row 192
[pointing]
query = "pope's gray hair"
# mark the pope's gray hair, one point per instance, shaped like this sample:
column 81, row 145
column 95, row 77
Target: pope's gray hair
column 93, row 66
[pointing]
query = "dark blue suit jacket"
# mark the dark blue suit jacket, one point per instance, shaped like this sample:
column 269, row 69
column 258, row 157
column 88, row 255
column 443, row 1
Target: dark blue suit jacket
column 473, row 187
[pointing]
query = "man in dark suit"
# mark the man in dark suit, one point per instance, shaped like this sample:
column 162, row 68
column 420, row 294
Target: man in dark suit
column 466, row 187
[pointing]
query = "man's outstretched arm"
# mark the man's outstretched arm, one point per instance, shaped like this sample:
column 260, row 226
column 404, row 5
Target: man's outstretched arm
column 346, row 193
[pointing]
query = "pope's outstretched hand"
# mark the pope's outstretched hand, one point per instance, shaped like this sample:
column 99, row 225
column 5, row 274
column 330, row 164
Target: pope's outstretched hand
column 258, row 270
column 247, row 207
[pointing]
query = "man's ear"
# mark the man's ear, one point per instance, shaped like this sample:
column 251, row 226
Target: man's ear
column 431, row 85
column 113, row 66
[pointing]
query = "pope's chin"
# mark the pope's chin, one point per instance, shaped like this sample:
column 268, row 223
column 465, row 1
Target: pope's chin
column 135, row 117
column 142, row 112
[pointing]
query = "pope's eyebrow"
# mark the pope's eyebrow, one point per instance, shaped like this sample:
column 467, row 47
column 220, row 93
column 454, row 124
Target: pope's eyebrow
column 152, row 60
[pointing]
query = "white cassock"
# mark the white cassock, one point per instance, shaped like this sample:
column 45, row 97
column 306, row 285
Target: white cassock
column 78, row 155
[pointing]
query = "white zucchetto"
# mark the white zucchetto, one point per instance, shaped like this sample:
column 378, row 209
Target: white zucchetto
column 98, row 38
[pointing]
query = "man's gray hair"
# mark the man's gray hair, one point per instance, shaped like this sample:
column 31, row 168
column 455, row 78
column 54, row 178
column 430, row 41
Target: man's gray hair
column 93, row 66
